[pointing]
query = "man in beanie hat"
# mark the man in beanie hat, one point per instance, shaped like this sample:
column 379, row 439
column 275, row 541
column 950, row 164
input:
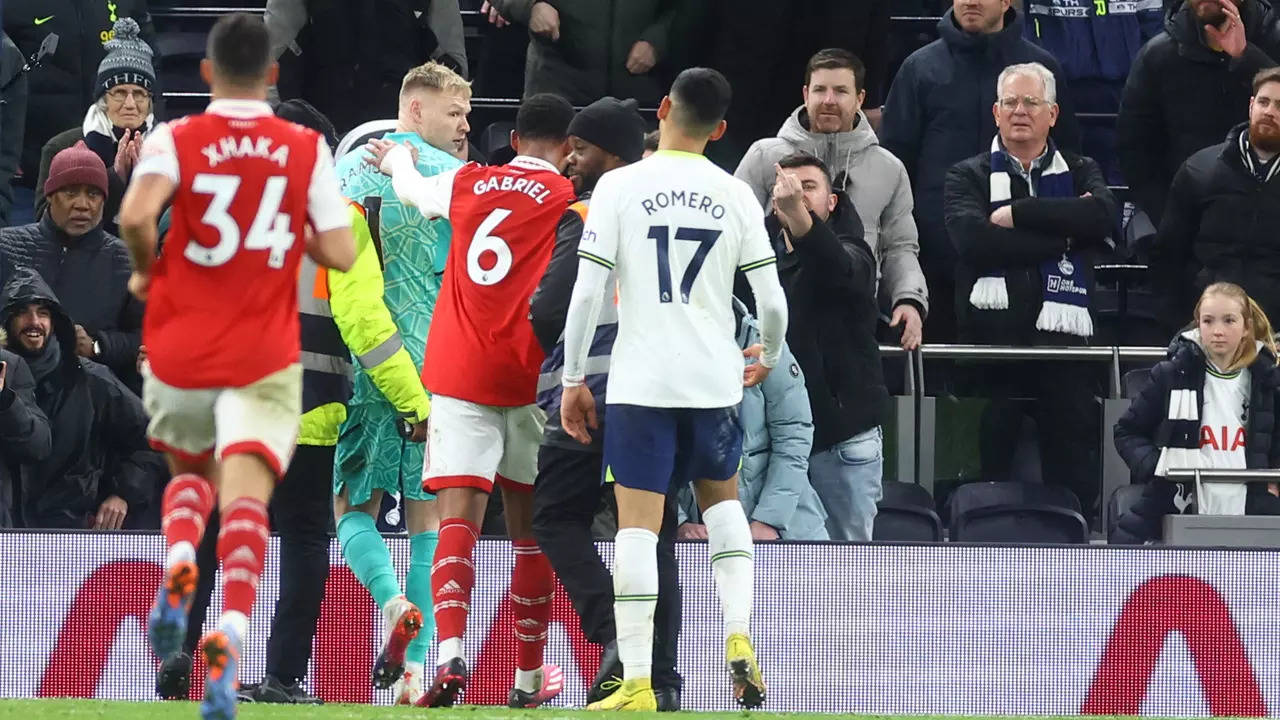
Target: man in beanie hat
column 117, row 120
column 605, row 135
column 85, row 266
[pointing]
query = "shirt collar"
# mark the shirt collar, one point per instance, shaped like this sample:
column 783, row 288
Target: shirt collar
column 532, row 163
column 239, row 109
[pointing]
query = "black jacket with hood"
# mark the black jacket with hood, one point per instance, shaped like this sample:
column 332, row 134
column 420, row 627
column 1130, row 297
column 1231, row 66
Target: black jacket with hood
column 830, row 282
column 939, row 112
column 1181, row 96
column 97, row 424
column 1145, row 429
column 24, row 430
column 91, row 276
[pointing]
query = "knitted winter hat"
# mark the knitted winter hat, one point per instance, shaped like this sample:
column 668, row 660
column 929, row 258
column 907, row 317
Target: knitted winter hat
column 613, row 125
column 77, row 165
column 128, row 60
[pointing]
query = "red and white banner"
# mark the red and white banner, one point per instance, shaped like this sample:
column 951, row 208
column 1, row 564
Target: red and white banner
column 867, row 629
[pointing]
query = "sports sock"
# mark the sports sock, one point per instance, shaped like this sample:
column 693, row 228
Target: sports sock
column 635, row 595
column 367, row 556
column 188, row 500
column 452, row 577
column 532, row 586
column 242, row 545
column 417, row 587
column 732, row 564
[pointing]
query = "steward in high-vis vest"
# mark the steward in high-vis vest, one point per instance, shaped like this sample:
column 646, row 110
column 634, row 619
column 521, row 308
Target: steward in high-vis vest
column 343, row 317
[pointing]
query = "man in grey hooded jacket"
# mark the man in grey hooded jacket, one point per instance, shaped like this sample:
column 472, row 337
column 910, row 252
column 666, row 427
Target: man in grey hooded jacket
column 832, row 127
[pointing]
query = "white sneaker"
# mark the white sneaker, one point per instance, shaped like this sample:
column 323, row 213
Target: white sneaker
column 408, row 689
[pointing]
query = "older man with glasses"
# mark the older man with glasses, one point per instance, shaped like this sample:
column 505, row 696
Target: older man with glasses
column 1026, row 218
column 117, row 121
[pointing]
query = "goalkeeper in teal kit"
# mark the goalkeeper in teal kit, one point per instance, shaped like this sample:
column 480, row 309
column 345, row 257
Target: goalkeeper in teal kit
column 372, row 456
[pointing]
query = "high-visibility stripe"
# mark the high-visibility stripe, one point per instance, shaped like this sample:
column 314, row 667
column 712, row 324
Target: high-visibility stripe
column 324, row 363
column 381, row 353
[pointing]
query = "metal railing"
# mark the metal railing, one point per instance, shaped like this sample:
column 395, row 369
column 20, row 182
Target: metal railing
column 1235, row 476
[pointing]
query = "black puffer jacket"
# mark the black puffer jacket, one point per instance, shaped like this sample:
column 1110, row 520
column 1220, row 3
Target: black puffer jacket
column 91, row 275
column 1041, row 228
column 1145, row 429
column 1220, row 224
column 830, row 282
column 1181, row 96
column 62, row 88
column 96, row 422
column 24, row 431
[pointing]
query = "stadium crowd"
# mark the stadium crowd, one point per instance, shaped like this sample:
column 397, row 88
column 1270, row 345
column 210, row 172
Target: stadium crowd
column 969, row 188
column 959, row 191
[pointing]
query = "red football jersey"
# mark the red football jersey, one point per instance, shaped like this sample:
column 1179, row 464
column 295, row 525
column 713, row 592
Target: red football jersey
column 223, row 309
column 481, row 347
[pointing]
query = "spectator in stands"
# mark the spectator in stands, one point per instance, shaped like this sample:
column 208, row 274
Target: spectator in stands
column 586, row 49
column 347, row 58
column 84, row 265
column 1096, row 44
column 936, row 115
column 24, row 431
column 777, row 436
column 118, row 120
column 94, row 420
column 1027, row 218
column 13, row 120
column 829, row 275
column 1188, row 87
column 1223, row 214
column 832, row 126
column 1226, row 364
column 65, row 84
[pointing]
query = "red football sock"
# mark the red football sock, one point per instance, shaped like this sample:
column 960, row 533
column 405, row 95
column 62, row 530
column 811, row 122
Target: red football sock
column 452, row 577
column 188, row 500
column 532, row 585
column 242, row 545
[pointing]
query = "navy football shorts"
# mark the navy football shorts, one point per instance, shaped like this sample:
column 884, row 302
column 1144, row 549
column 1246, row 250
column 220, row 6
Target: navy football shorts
column 647, row 448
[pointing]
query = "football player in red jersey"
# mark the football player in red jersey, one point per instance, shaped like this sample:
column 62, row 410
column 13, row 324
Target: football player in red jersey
column 481, row 366
column 224, row 406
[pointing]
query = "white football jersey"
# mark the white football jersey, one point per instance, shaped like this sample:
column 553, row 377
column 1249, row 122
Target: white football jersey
column 675, row 228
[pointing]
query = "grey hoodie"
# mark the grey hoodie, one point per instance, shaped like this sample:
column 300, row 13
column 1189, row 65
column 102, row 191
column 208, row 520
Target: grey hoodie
column 874, row 179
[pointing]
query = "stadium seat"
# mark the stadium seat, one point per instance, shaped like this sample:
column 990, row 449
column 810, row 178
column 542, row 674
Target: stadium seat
column 1121, row 502
column 1015, row 512
column 906, row 514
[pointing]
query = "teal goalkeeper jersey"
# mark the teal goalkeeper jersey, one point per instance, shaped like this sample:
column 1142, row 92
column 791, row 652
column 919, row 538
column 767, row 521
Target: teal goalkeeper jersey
column 413, row 249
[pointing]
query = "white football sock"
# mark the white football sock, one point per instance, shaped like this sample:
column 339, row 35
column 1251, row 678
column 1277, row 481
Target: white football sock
column 529, row 681
column 236, row 621
column 182, row 551
column 413, row 669
column 635, row 595
column 450, row 648
column 732, row 564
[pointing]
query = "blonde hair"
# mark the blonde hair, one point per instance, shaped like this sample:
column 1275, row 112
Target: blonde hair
column 434, row 76
column 1254, row 318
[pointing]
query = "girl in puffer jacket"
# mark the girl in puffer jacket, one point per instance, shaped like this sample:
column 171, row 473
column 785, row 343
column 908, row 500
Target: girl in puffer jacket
column 1210, row 405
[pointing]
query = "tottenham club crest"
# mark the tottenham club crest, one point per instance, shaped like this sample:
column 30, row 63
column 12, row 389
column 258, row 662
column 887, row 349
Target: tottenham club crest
column 1065, row 267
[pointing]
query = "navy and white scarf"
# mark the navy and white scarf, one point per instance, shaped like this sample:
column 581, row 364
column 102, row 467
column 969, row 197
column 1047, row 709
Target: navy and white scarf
column 1065, row 306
